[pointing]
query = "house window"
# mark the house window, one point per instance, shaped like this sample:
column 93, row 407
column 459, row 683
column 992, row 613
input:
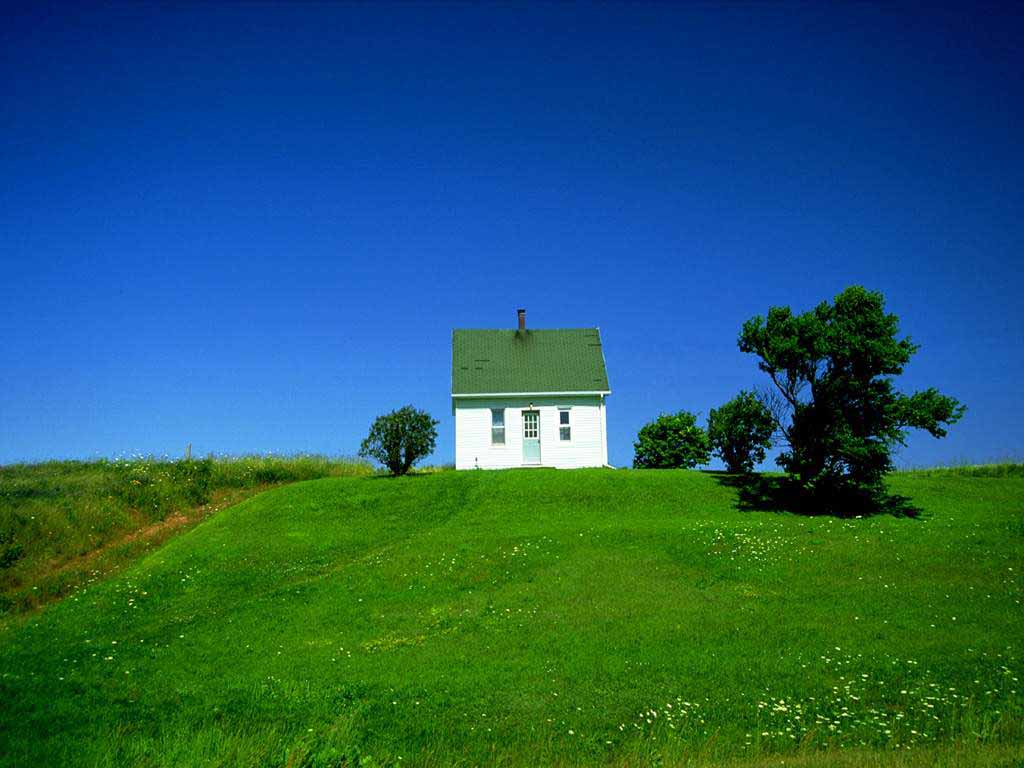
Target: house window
column 564, row 427
column 497, row 426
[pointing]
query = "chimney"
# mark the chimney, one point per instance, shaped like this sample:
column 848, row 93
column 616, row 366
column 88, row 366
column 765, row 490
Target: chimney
column 522, row 319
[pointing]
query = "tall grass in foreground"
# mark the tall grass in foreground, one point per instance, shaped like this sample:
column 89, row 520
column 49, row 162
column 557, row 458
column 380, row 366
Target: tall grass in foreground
column 65, row 523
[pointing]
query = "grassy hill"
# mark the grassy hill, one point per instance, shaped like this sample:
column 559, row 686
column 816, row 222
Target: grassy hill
column 539, row 618
column 64, row 524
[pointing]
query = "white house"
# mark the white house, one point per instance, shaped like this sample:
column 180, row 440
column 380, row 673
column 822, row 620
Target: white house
column 528, row 398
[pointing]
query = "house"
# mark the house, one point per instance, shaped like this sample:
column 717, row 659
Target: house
column 524, row 398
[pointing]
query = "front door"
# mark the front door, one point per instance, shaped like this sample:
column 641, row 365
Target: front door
column 531, row 437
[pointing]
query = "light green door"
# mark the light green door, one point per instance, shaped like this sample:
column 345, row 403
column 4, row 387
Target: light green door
column 531, row 437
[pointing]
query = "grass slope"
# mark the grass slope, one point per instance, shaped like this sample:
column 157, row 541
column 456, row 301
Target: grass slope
column 539, row 617
column 64, row 524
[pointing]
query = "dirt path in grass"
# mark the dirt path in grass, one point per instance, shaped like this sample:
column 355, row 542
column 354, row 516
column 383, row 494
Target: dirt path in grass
column 63, row 578
column 162, row 530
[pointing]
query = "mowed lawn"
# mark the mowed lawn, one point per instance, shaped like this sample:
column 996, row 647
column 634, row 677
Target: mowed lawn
column 535, row 618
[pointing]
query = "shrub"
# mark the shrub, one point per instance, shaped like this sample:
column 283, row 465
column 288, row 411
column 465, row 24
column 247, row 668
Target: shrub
column 740, row 431
column 401, row 438
column 671, row 441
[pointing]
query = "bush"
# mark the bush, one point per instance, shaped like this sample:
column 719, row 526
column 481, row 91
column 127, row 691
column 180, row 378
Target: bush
column 740, row 432
column 671, row 441
column 401, row 438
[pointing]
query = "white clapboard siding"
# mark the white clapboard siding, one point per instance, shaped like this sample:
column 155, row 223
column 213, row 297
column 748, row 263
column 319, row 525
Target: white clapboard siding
column 587, row 448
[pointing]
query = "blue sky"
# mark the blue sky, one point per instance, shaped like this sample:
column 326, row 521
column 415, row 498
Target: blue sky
column 252, row 227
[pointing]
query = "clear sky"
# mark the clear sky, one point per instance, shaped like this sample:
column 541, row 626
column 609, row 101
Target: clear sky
column 252, row 227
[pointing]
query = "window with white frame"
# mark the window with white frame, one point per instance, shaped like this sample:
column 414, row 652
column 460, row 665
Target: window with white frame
column 564, row 427
column 497, row 426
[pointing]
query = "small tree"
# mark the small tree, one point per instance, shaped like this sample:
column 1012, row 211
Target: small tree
column 401, row 438
column 740, row 431
column 670, row 441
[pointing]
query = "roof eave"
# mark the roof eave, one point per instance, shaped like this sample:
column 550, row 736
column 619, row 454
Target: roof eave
column 532, row 394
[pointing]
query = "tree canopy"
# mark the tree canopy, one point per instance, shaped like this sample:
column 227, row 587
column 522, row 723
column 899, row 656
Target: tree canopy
column 834, row 400
column 401, row 438
column 673, row 440
column 740, row 432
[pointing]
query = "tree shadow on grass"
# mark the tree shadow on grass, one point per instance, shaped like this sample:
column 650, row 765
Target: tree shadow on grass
column 428, row 471
column 778, row 493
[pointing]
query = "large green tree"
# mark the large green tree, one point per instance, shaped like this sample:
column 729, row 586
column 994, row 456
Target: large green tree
column 834, row 399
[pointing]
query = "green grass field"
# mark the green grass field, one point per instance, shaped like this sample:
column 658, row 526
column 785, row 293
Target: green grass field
column 540, row 618
column 65, row 524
